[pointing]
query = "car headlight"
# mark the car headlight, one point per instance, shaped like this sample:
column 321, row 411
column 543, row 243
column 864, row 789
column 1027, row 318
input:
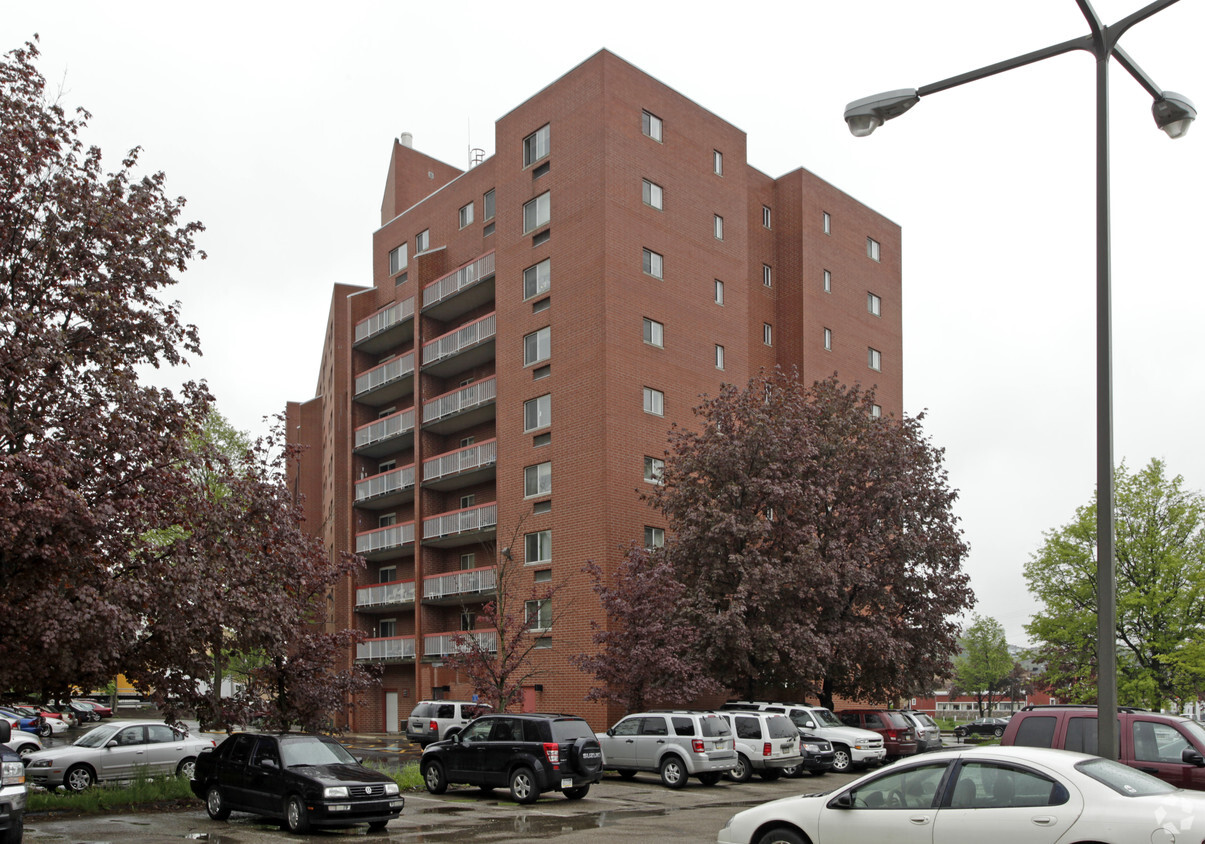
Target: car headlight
column 334, row 791
column 391, row 788
column 41, row 763
column 812, row 748
column 12, row 773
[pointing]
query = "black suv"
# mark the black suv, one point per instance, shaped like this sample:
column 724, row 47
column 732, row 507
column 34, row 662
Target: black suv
column 527, row 753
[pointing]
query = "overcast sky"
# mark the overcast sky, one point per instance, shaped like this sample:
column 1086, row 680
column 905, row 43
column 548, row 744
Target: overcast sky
column 276, row 120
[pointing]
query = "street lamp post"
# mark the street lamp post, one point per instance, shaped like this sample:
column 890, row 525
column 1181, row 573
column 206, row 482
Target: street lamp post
column 1173, row 114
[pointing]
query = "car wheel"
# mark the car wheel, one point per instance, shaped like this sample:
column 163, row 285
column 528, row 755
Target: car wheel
column 578, row 792
column 959, row 732
column 297, row 816
column 770, row 774
column 673, row 772
column 26, row 749
column 79, row 778
column 841, row 759
column 377, row 826
column 187, row 768
column 45, row 731
column 16, row 828
column 792, row 771
column 999, row 731
column 523, row 786
column 626, row 773
column 215, row 806
column 434, row 779
column 742, row 772
column 709, row 777
column 782, row 836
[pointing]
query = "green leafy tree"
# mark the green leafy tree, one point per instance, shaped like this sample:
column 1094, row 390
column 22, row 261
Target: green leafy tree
column 984, row 668
column 1160, row 552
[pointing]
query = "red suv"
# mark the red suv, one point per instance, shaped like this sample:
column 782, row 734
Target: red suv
column 899, row 737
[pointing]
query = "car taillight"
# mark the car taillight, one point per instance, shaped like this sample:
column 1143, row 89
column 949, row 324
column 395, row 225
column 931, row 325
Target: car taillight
column 766, row 749
column 893, row 735
column 697, row 745
column 433, row 727
column 552, row 751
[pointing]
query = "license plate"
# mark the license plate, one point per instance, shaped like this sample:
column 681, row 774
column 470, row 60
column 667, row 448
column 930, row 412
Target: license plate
column 719, row 745
column 566, row 782
column 788, row 747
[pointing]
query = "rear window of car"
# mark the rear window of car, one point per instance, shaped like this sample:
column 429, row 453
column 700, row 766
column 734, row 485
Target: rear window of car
column 874, row 722
column 423, row 710
column 715, row 726
column 568, row 729
column 1081, row 735
column 1036, row 731
column 683, row 726
column 746, row 727
column 781, row 727
column 1123, row 779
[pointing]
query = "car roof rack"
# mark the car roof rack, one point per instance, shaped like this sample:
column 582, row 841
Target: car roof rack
column 1034, row 706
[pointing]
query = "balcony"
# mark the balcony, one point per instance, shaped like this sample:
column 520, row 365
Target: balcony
column 462, row 408
column 386, row 329
column 384, row 597
column 389, row 649
column 473, row 584
column 386, row 490
column 461, row 527
column 460, row 291
column 387, row 435
column 461, row 468
column 463, row 349
column 387, row 542
column 443, row 644
column 386, row 382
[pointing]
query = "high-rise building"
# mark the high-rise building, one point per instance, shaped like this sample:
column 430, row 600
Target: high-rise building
column 535, row 324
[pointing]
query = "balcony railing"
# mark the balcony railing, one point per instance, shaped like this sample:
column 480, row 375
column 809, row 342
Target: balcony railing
column 386, row 373
column 443, row 644
column 393, row 425
column 395, row 480
column 461, row 521
column 389, row 648
column 455, row 281
column 383, row 539
column 464, row 460
column 470, row 582
column 385, row 594
column 458, row 401
column 467, row 336
column 385, row 319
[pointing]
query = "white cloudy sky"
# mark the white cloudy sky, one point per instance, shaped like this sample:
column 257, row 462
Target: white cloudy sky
column 276, row 120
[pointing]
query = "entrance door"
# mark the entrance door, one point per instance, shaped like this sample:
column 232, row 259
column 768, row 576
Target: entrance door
column 529, row 699
column 391, row 721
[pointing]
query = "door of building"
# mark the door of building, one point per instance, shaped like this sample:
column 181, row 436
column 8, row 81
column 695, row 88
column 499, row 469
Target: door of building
column 391, row 719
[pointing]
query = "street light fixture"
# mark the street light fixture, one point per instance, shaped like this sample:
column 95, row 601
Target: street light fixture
column 1173, row 113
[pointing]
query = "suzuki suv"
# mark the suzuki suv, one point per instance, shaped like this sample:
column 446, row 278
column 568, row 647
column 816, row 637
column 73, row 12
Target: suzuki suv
column 677, row 745
column 765, row 742
column 435, row 720
column 852, row 747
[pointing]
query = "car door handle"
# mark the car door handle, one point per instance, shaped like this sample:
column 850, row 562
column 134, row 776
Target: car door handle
column 919, row 820
column 660, row 741
column 1149, row 770
column 1045, row 820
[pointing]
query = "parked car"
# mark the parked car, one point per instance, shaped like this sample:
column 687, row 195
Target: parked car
column 83, row 713
column 899, row 739
column 928, row 734
column 304, row 780
column 988, row 795
column 435, row 720
column 25, row 723
column 51, row 725
column 676, row 744
column 852, row 747
column 766, row 742
column 24, row 743
column 116, row 751
column 102, row 710
column 529, row 754
column 12, row 789
column 982, row 727
column 1169, row 747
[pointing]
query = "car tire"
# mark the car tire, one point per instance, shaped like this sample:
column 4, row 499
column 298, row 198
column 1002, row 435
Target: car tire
column 782, row 835
column 792, row 771
column 79, row 778
column 626, row 773
column 377, row 826
column 16, row 828
column 999, row 731
column 709, row 777
column 215, row 804
column 297, row 816
column 434, row 777
column 26, row 749
column 742, row 772
column 45, row 730
column 187, row 767
column 523, row 788
column 577, row 792
column 959, row 732
column 673, row 772
column 842, row 761
column 769, row 774
column 588, row 764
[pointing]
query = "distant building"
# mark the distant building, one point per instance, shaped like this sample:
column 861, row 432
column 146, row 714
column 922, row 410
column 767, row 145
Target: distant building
column 533, row 328
column 965, row 707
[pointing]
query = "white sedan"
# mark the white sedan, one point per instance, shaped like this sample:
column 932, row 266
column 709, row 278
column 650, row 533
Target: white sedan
column 988, row 795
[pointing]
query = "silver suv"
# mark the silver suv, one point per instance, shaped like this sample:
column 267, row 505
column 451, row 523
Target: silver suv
column 928, row 734
column 853, row 746
column 676, row 744
column 765, row 742
column 436, row 720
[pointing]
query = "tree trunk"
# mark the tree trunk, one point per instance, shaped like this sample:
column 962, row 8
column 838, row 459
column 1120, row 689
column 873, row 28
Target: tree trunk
column 826, row 693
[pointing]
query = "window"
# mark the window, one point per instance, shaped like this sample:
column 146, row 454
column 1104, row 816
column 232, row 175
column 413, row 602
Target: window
column 653, row 264
column 653, row 467
column 542, row 576
column 874, row 304
column 487, row 205
column 717, row 162
column 537, row 479
column 465, row 442
column 767, row 334
column 537, row 212
column 422, row 242
column 650, row 124
column 398, row 259
column 466, row 215
column 654, row 333
column 718, row 227
column 719, row 356
column 719, row 292
column 468, row 620
column 537, row 547
column 990, row 785
column 765, row 216
column 387, row 628
column 913, row 788
column 876, row 411
column 828, row 339
column 467, row 501
column 872, row 248
column 467, row 561
column 537, row 413
column 387, row 520
column 654, row 537
column 537, row 346
column 387, row 574
column 386, row 465
column 828, row 282
column 767, row 275
column 828, row 223
column 537, row 279
column 535, row 145
column 539, row 614
column 874, row 359
column 654, row 401
column 652, row 194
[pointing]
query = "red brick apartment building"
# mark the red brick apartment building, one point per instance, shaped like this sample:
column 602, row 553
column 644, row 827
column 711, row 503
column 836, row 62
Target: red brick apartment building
column 534, row 326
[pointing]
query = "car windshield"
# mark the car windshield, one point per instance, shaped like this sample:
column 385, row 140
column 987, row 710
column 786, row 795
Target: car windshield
column 571, row 729
column 826, row 718
column 1195, row 729
column 98, row 737
column 313, row 750
column 1123, row 779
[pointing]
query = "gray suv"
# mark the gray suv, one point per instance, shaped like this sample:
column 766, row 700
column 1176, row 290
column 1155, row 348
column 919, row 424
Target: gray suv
column 435, row 720
column 765, row 742
column 676, row 744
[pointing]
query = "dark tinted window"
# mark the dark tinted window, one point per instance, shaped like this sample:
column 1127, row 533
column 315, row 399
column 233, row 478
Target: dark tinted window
column 683, row 726
column 715, row 726
column 1081, row 735
column 507, row 729
column 266, row 749
column 532, row 731
column 747, row 728
column 1036, row 731
column 241, row 751
column 570, row 729
column 850, row 718
column 874, row 722
column 445, row 710
column 781, row 727
column 654, row 726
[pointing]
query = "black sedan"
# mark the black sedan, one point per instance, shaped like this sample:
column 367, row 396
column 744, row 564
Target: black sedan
column 982, row 727
column 303, row 780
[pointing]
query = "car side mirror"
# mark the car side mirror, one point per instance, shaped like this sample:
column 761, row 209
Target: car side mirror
column 268, row 763
column 1192, row 756
column 810, row 725
column 111, row 743
column 611, row 732
column 842, row 801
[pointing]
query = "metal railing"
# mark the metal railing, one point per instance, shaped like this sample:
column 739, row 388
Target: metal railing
column 395, row 480
column 469, row 582
column 381, row 539
column 468, row 335
column 463, row 460
column 382, row 429
column 379, row 376
column 385, row 594
column 455, row 281
column 457, row 401
column 443, row 644
column 393, row 647
column 384, row 319
column 461, row 521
